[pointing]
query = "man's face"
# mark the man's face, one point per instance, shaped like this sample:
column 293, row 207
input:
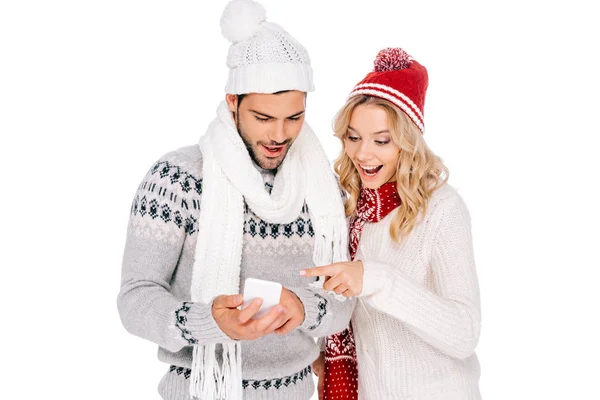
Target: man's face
column 268, row 124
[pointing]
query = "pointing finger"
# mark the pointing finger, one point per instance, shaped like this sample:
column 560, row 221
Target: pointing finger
column 328, row 270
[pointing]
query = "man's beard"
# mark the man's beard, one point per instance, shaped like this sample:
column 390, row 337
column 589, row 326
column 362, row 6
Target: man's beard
column 252, row 150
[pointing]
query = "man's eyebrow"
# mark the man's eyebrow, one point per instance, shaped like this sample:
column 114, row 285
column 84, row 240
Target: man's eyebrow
column 270, row 116
column 374, row 133
column 262, row 114
column 297, row 114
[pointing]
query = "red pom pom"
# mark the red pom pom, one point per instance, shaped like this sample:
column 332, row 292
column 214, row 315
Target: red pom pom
column 391, row 59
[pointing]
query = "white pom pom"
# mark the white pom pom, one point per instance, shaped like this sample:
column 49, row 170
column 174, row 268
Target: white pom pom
column 241, row 19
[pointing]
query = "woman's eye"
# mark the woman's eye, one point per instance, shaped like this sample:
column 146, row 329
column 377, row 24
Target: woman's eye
column 353, row 138
column 381, row 143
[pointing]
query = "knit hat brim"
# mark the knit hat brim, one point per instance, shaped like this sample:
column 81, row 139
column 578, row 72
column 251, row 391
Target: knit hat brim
column 270, row 78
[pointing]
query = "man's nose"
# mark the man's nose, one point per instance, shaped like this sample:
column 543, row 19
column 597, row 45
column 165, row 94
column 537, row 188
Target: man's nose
column 277, row 133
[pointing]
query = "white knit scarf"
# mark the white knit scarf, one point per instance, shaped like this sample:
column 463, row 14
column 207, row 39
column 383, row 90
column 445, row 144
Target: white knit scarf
column 229, row 178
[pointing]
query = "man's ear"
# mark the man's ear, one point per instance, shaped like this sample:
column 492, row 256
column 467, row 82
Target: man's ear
column 232, row 102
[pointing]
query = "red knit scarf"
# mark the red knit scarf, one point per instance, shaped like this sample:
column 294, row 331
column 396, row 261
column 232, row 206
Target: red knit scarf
column 341, row 369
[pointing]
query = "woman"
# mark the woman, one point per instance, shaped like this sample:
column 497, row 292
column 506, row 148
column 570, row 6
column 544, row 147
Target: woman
column 417, row 320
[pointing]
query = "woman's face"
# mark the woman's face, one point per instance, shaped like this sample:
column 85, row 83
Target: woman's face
column 369, row 145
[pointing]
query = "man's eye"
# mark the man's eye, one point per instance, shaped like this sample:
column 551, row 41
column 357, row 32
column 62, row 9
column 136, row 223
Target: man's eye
column 262, row 119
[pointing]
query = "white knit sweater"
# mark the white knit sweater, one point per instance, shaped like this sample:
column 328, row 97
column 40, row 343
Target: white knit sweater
column 417, row 321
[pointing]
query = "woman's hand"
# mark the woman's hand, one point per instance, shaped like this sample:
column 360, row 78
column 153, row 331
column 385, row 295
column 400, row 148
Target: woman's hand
column 344, row 278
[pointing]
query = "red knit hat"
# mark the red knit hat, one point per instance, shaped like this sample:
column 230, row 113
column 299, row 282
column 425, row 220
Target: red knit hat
column 399, row 79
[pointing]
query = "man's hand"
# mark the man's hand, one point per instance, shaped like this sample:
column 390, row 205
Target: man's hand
column 346, row 278
column 319, row 370
column 238, row 325
column 294, row 315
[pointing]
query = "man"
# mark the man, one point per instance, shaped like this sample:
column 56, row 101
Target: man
column 256, row 198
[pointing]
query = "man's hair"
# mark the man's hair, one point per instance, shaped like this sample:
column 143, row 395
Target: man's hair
column 240, row 97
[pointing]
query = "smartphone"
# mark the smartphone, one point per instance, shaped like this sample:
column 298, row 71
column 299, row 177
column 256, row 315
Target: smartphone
column 268, row 291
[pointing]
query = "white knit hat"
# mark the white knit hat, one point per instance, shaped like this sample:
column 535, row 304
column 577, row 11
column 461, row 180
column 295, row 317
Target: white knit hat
column 263, row 57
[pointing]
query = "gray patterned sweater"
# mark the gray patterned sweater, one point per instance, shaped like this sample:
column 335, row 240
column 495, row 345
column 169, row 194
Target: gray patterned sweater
column 154, row 300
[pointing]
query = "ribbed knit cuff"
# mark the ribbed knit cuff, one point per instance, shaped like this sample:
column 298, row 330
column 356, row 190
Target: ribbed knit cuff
column 315, row 308
column 198, row 326
column 374, row 277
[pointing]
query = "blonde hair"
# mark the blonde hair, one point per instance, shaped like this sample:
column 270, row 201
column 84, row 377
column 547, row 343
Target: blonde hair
column 419, row 173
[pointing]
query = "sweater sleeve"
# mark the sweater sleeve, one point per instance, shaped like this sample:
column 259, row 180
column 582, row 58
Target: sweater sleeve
column 448, row 317
column 159, row 226
column 324, row 314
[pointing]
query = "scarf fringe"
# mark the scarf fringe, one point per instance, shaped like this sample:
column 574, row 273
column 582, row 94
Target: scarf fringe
column 211, row 382
column 331, row 242
column 332, row 250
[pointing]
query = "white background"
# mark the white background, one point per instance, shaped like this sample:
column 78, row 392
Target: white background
column 93, row 92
